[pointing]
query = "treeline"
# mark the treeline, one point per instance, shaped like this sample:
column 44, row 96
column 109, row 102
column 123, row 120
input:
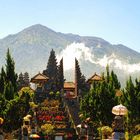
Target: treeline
column 13, row 106
column 96, row 103
column 8, row 78
column 104, row 95
column 14, row 103
column 23, row 80
column 55, row 73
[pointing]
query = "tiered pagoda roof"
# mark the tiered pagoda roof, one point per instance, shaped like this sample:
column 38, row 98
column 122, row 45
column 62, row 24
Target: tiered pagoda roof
column 39, row 77
column 69, row 85
column 95, row 77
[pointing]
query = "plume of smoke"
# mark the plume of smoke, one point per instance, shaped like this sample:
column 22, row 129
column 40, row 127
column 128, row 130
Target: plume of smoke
column 83, row 53
column 75, row 50
column 130, row 68
column 112, row 59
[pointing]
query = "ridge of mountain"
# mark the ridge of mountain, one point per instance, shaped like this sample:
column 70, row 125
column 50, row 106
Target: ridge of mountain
column 31, row 47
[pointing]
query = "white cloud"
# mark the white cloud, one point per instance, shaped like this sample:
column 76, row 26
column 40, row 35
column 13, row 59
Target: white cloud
column 130, row 68
column 78, row 50
column 106, row 60
column 82, row 53
column 112, row 59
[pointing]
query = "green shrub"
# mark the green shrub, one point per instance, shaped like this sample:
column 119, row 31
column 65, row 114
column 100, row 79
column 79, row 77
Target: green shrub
column 106, row 131
column 136, row 137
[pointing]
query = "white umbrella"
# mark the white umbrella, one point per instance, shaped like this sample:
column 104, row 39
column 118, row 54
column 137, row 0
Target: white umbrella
column 119, row 110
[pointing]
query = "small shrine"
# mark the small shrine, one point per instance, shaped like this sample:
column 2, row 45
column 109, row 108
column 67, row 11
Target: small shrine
column 94, row 78
column 40, row 81
column 69, row 89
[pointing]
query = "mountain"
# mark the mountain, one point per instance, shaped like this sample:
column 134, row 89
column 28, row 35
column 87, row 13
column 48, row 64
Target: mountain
column 31, row 48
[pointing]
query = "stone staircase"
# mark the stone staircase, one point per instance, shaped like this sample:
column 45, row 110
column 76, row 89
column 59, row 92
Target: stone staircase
column 74, row 109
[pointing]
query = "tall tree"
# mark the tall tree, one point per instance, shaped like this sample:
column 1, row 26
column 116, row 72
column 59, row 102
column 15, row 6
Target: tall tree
column 52, row 71
column 98, row 103
column 23, row 80
column 137, row 94
column 107, row 101
column 26, row 79
column 114, row 80
column 2, row 80
column 80, row 80
column 10, row 71
column 8, row 90
column 60, row 76
column 131, row 99
column 20, row 81
column 107, row 73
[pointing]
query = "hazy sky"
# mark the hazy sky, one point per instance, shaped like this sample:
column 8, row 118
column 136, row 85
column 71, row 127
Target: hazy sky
column 117, row 21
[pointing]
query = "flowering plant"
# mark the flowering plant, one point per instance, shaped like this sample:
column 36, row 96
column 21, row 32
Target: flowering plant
column 59, row 118
column 47, row 128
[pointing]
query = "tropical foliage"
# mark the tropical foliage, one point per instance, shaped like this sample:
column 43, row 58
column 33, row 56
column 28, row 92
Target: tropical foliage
column 82, row 86
column 47, row 128
column 23, row 80
column 106, row 132
column 131, row 99
column 55, row 73
column 12, row 106
column 98, row 103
